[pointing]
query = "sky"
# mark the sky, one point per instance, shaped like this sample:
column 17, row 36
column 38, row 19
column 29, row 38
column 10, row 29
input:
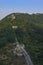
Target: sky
column 22, row 6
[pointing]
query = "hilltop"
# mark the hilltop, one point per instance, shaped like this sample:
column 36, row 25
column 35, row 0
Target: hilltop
column 22, row 19
column 29, row 32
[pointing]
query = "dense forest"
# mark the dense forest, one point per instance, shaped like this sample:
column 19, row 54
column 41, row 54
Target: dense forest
column 29, row 32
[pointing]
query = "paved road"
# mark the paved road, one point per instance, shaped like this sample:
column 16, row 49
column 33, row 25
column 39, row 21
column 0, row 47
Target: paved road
column 27, row 58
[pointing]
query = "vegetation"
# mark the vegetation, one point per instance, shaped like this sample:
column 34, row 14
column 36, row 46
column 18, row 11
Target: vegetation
column 29, row 32
column 7, row 57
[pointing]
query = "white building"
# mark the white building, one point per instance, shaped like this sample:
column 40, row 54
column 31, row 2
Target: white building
column 14, row 27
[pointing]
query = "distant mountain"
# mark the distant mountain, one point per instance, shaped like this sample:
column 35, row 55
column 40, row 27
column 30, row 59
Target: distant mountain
column 29, row 32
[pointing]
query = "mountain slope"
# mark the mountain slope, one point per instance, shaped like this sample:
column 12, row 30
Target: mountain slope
column 29, row 32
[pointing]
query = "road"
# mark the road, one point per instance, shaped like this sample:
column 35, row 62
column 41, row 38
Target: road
column 27, row 57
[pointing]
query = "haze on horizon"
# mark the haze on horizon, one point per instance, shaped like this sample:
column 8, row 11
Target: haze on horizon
column 22, row 6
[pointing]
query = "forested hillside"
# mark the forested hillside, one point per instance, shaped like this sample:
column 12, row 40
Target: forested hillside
column 29, row 32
